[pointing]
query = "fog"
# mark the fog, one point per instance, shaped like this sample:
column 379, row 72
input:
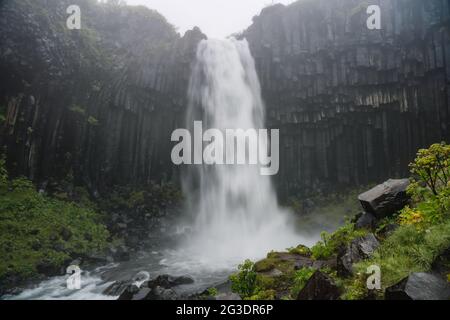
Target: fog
column 216, row 18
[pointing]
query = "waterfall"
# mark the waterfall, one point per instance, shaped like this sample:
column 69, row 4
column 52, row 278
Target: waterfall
column 236, row 212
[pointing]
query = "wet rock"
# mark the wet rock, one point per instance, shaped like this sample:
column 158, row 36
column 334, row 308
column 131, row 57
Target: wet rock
column 160, row 293
column 229, row 296
column 319, row 287
column 167, row 281
column 117, row 288
column 366, row 221
column 420, row 286
column 357, row 250
column 385, row 199
column 130, row 292
column 133, row 292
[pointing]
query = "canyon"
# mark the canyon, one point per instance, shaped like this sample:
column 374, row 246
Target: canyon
column 352, row 104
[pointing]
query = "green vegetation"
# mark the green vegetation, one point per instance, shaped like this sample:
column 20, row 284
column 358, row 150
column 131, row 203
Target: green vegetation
column 331, row 243
column 39, row 234
column 424, row 231
column 244, row 282
column 212, row 292
column 423, row 234
column 300, row 279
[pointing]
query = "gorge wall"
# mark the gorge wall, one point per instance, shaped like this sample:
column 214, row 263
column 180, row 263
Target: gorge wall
column 353, row 104
column 99, row 104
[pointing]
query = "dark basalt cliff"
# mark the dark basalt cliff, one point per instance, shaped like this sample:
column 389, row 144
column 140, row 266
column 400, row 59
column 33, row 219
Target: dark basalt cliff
column 353, row 105
column 99, row 104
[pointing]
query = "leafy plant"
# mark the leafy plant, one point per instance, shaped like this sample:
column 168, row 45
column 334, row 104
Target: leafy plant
column 431, row 168
column 331, row 243
column 244, row 282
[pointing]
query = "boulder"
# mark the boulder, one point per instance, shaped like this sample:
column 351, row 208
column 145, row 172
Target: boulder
column 367, row 245
column 385, row 199
column 357, row 250
column 159, row 293
column 319, row 287
column 130, row 292
column 420, row 286
column 140, row 289
column 117, row 288
column 133, row 292
column 366, row 221
column 167, row 282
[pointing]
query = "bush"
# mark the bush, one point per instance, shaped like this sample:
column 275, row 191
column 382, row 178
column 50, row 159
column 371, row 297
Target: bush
column 430, row 187
column 331, row 243
column 432, row 169
column 244, row 282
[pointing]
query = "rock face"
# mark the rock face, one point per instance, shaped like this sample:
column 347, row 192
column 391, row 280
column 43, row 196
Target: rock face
column 420, row 286
column 385, row 199
column 319, row 287
column 97, row 104
column 353, row 105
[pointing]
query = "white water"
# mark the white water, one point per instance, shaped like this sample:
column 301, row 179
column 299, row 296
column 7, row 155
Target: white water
column 237, row 213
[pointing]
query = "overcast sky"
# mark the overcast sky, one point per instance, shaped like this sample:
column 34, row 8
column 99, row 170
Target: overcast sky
column 216, row 18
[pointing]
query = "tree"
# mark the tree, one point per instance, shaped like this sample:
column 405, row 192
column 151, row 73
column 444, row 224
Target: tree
column 432, row 167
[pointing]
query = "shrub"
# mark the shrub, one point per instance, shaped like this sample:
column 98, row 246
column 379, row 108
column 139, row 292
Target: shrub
column 244, row 282
column 331, row 243
column 430, row 187
column 431, row 168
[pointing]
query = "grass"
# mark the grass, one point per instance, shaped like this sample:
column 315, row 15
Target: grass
column 409, row 250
